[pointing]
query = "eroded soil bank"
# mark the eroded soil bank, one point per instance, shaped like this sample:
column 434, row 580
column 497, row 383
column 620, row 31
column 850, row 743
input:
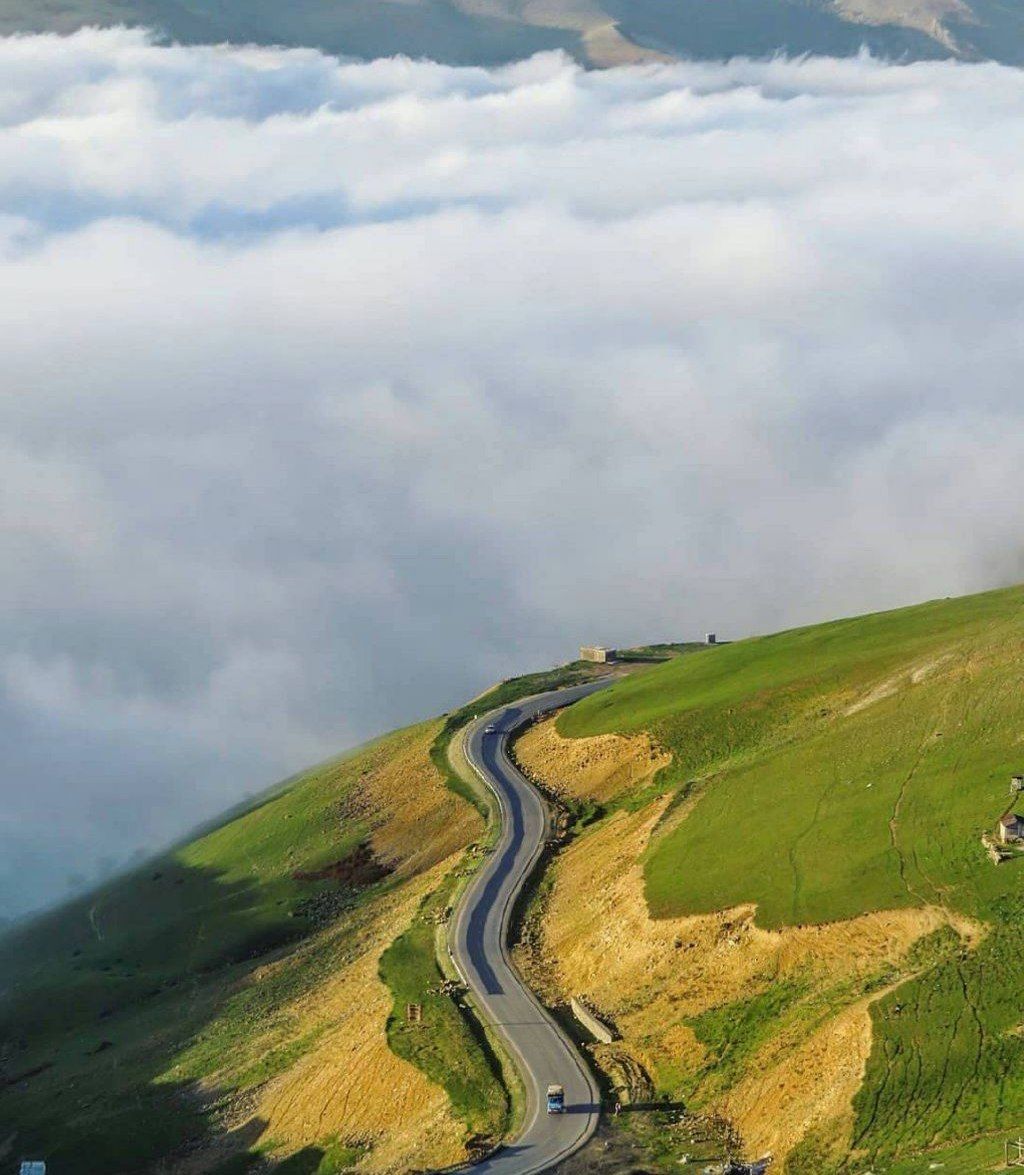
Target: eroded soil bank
column 771, row 1030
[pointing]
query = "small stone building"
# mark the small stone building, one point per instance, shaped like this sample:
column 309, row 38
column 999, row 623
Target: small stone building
column 1010, row 828
column 596, row 653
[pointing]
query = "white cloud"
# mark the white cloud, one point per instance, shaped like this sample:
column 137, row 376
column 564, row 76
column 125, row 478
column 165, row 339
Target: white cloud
column 331, row 391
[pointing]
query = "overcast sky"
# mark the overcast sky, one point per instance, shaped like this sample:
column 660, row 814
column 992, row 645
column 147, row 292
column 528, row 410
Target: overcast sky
column 331, row 393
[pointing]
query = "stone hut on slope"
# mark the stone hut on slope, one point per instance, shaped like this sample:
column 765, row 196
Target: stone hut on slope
column 597, row 653
column 1010, row 828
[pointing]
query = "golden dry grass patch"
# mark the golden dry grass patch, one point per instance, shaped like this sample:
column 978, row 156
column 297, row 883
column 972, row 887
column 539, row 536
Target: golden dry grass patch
column 811, row 1085
column 416, row 820
column 649, row 976
column 350, row 1085
column 597, row 768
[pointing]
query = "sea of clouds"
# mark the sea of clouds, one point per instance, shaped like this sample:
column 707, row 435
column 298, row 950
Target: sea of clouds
column 331, row 392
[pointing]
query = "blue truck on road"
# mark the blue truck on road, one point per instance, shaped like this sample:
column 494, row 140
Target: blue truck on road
column 556, row 1099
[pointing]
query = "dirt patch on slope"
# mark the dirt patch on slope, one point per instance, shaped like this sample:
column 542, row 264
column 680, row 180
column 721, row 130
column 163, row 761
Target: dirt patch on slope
column 913, row 675
column 926, row 15
column 416, row 820
column 359, row 869
column 811, row 1085
column 350, row 1085
column 649, row 977
column 597, row 768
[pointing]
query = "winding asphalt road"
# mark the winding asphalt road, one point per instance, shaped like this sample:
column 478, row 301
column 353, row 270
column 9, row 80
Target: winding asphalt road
column 479, row 944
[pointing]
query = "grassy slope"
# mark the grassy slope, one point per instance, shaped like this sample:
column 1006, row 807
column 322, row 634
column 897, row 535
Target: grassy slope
column 159, row 964
column 817, row 814
column 505, row 692
column 442, row 1045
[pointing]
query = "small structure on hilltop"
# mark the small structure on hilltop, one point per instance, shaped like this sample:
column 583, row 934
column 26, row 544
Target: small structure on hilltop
column 1010, row 828
column 1016, row 784
column 710, row 639
column 597, row 653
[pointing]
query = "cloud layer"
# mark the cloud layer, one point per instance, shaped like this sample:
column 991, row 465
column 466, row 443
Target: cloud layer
column 333, row 391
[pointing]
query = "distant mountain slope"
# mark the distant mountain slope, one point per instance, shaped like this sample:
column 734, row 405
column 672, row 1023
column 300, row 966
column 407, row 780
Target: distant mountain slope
column 597, row 32
column 438, row 29
column 797, row 923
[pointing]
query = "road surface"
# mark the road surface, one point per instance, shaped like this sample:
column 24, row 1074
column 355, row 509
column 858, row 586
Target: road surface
column 542, row 1052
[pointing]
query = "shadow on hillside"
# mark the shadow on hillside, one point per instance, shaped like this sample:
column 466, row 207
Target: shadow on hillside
column 114, row 1008
column 652, row 1107
column 303, row 1162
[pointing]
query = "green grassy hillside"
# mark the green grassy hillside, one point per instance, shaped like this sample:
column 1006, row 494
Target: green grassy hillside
column 852, row 767
column 136, row 1021
column 144, row 1021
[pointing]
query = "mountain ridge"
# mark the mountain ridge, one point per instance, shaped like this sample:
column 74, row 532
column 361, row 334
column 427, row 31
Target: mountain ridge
column 597, row 33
